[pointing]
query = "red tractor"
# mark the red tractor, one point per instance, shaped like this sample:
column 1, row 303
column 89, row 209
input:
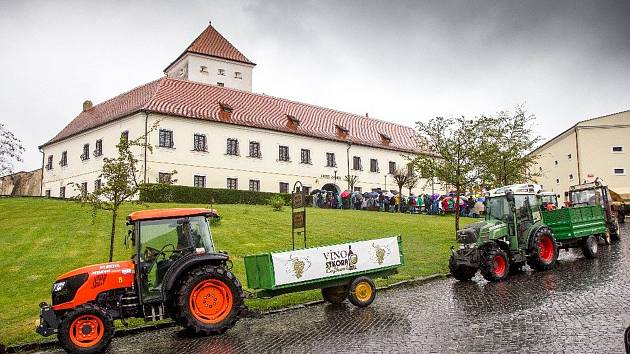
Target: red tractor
column 175, row 273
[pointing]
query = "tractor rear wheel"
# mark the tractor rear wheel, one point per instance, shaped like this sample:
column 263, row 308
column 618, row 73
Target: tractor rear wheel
column 589, row 247
column 86, row 329
column 362, row 291
column 335, row 294
column 543, row 250
column 495, row 264
column 459, row 271
column 209, row 300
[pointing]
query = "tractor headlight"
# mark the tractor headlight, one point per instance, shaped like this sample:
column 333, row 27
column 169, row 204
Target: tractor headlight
column 58, row 286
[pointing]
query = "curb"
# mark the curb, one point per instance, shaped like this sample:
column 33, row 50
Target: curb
column 247, row 314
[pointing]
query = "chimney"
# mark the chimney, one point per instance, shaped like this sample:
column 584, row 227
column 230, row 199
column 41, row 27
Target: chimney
column 87, row 105
column 367, row 115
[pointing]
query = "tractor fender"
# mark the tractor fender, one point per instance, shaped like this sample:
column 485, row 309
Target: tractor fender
column 184, row 265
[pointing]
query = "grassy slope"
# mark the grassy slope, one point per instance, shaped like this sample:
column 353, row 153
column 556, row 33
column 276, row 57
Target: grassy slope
column 40, row 239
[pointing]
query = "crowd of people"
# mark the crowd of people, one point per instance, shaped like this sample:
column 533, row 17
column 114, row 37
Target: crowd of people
column 391, row 201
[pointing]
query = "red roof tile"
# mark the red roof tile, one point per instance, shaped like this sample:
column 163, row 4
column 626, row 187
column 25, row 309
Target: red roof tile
column 211, row 42
column 202, row 101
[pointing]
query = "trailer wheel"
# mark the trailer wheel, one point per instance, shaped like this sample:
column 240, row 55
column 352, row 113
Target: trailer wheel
column 362, row 291
column 589, row 247
column 335, row 294
column 86, row 329
column 459, row 271
column 209, row 300
column 495, row 265
column 543, row 250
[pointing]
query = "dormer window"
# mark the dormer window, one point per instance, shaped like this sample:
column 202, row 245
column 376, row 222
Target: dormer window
column 292, row 121
column 225, row 107
column 342, row 131
column 385, row 139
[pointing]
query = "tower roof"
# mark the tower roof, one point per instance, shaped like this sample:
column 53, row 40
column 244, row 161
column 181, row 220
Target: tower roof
column 211, row 43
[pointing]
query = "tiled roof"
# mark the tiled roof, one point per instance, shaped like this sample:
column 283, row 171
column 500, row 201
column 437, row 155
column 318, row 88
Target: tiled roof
column 211, row 42
column 202, row 101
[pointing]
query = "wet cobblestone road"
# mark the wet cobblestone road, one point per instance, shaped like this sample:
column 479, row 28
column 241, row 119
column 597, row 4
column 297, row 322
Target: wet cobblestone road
column 581, row 306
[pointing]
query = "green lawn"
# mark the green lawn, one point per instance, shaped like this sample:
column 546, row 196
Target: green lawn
column 40, row 239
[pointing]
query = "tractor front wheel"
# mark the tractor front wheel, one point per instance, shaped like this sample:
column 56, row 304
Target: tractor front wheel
column 86, row 329
column 543, row 251
column 335, row 294
column 209, row 300
column 495, row 265
column 589, row 247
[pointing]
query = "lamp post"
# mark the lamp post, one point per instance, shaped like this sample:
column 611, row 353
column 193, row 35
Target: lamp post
column 385, row 182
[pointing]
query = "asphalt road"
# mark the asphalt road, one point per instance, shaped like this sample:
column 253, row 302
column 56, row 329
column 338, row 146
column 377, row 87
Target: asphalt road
column 583, row 306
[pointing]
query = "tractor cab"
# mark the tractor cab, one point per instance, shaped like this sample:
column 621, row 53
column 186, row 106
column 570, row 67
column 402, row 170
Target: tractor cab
column 548, row 201
column 163, row 238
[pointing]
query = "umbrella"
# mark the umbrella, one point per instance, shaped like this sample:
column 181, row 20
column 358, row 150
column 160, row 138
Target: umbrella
column 366, row 194
column 461, row 197
column 481, row 199
column 388, row 194
column 374, row 194
column 315, row 191
column 345, row 194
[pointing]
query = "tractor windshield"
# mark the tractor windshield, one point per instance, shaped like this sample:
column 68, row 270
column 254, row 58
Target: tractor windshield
column 498, row 208
column 586, row 197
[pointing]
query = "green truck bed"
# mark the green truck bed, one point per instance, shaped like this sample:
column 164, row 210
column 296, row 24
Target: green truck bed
column 311, row 268
column 573, row 223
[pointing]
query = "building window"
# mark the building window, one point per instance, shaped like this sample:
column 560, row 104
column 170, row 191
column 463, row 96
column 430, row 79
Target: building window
column 220, row 84
column 283, row 153
column 164, row 177
column 569, row 156
column 47, row 193
column 86, row 152
column 238, row 75
column 306, row 190
column 357, row 189
column 199, row 181
column 64, row 158
column 221, row 72
column 254, row 185
column 619, row 171
column 254, row 149
column 306, row 156
column 199, row 142
column 570, row 176
column 555, row 162
column 356, row 163
column 232, row 183
column 166, row 138
column 49, row 164
column 124, row 136
column 98, row 149
column 83, row 189
column 232, row 147
column 330, row 159
column 392, row 167
column 62, row 192
column 284, row 187
column 373, row 165
column 203, row 69
column 558, row 180
column 97, row 185
column 617, row 149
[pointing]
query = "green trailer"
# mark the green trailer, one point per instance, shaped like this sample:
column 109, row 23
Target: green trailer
column 577, row 227
column 341, row 270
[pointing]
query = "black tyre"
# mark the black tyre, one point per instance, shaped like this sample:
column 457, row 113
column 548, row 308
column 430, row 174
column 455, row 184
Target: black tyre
column 543, row 250
column 362, row 291
column 495, row 264
column 606, row 237
column 86, row 329
column 335, row 294
column 614, row 233
column 461, row 272
column 209, row 300
column 589, row 247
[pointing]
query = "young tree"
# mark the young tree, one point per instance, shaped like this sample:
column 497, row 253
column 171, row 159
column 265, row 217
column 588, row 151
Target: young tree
column 11, row 150
column 120, row 176
column 506, row 145
column 402, row 177
column 454, row 152
column 352, row 181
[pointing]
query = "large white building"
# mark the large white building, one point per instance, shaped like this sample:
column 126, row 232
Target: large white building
column 216, row 133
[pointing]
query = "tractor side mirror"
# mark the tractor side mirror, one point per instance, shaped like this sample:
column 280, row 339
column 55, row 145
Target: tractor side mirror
column 130, row 236
column 509, row 196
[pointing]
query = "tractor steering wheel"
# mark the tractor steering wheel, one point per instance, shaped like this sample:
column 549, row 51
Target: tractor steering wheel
column 152, row 254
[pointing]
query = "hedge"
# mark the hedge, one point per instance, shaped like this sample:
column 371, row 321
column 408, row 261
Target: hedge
column 165, row 193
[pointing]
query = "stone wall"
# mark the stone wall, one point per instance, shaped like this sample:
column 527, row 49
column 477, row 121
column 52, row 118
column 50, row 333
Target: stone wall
column 22, row 183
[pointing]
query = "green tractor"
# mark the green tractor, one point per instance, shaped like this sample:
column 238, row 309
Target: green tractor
column 511, row 235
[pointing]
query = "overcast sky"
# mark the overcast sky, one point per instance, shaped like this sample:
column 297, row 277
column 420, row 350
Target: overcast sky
column 401, row 61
